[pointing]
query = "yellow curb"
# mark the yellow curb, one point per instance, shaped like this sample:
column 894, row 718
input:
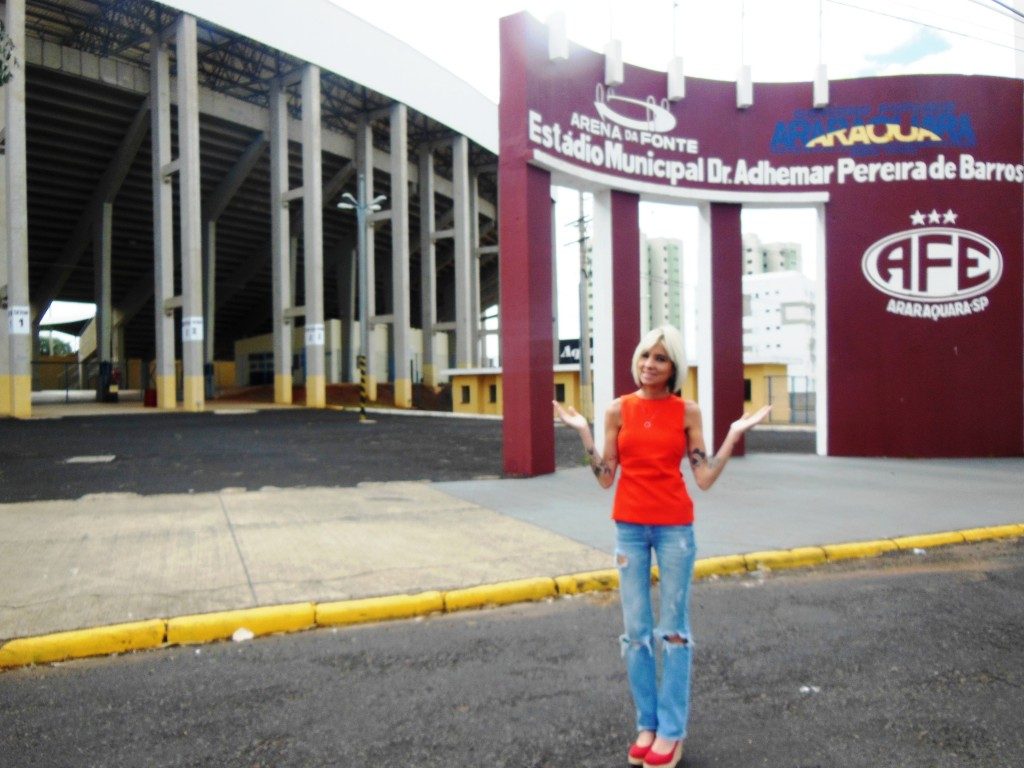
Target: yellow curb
column 500, row 594
column 929, row 540
column 378, row 609
column 204, row 627
column 777, row 560
column 992, row 532
column 77, row 644
column 119, row 638
column 857, row 550
column 589, row 581
column 725, row 565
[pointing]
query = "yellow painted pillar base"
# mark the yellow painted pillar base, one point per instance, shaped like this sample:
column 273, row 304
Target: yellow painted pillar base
column 283, row 389
column 5, row 395
column 403, row 393
column 316, row 391
column 20, row 396
column 166, row 397
column 371, row 389
column 193, row 394
column 430, row 375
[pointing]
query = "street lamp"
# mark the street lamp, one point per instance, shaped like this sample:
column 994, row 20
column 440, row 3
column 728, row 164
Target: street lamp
column 362, row 209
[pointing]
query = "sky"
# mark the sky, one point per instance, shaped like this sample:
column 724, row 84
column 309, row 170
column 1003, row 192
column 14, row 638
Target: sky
column 781, row 40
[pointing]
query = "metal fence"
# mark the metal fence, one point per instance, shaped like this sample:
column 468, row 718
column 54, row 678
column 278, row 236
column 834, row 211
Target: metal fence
column 794, row 400
column 63, row 374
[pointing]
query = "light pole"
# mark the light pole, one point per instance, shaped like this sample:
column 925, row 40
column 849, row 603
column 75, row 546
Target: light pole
column 362, row 209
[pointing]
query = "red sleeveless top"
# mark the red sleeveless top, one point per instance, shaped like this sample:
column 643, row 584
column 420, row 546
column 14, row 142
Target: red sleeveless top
column 652, row 443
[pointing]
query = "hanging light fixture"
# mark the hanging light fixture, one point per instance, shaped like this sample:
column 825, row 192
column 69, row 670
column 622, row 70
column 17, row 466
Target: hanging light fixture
column 744, row 83
column 821, row 76
column 614, row 71
column 676, row 78
column 558, row 39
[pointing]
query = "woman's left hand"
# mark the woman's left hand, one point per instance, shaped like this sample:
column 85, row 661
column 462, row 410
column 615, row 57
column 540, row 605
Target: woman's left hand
column 747, row 421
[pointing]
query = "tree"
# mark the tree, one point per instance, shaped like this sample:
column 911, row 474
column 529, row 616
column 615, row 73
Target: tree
column 48, row 345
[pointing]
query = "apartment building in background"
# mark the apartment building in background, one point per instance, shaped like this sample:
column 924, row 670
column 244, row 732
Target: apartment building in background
column 778, row 307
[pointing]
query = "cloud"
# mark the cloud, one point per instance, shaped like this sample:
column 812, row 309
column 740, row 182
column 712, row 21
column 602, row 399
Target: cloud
column 925, row 42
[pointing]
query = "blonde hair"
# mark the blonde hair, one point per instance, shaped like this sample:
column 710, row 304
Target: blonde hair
column 670, row 338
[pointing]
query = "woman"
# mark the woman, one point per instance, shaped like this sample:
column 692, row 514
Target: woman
column 647, row 433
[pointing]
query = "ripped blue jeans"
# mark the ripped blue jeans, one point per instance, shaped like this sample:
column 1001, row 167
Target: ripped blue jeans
column 663, row 708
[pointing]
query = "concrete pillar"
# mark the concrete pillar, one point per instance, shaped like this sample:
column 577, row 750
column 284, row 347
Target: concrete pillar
column 463, row 257
column 428, row 265
column 475, row 310
column 163, row 223
column 5, row 339
column 280, row 244
column 101, row 257
column 616, row 285
column 400, row 309
column 194, row 396
column 346, row 287
column 313, row 238
column 209, row 303
column 16, row 384
column 364, row 166
column 603, row 369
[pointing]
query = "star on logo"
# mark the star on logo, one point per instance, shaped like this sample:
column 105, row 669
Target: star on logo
column 949, row 217
column 917, row 219
column 934, row 217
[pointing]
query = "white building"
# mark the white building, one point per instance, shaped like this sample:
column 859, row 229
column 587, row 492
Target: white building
column 661, row 282
column 778, row 308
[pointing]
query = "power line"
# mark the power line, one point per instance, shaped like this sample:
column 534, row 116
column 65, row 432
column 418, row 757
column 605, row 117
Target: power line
column 1009, row 7
column 1015, row 16
column 925, row 24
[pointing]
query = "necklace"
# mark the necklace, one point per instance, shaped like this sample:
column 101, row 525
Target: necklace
column 647, row 411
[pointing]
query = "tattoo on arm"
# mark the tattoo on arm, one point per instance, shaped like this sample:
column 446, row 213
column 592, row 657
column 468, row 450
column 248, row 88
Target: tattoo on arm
column 597, row 464
column 699, row 458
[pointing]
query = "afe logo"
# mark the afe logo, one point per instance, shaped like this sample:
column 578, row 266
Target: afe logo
column 933, row 264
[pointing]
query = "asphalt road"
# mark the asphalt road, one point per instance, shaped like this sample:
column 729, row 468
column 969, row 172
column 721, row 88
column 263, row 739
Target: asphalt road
column 909, row 661
column 203, row 452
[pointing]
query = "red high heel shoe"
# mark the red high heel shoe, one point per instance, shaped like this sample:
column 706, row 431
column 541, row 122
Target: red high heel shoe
column 638, row 753
column 667, row 760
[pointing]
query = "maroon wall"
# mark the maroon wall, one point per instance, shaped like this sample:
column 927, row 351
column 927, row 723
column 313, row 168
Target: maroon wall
column 524, row 195
column 726, row 320
column 625, row 286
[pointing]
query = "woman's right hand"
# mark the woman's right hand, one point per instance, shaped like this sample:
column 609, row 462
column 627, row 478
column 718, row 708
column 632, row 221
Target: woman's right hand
column 569, row 416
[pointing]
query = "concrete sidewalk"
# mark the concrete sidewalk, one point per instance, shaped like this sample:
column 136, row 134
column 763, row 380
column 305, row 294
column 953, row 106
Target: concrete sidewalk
column 113, row 558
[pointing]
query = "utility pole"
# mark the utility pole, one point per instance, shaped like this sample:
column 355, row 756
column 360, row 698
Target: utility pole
column 363, row 209
column 586, row 389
